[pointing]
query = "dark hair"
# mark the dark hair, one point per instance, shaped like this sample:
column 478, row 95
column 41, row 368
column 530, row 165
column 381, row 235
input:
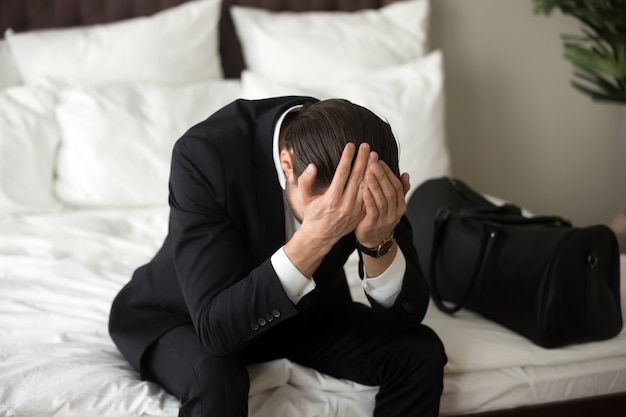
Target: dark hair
column 319, row 132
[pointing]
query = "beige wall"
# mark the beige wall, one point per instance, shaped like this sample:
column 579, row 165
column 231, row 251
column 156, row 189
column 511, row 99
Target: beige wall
column 516, row 128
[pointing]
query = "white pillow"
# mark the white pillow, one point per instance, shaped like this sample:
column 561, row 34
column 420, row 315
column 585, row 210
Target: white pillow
column 9, row 75
column 28, row 142
column 298, row 46
column 178, row 45
column 117, row 140
column 409, row 96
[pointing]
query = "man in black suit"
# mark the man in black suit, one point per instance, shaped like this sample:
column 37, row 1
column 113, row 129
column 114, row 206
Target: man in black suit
column 268, row 199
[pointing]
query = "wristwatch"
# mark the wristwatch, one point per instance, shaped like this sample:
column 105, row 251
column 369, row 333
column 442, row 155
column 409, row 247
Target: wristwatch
column 381, row 250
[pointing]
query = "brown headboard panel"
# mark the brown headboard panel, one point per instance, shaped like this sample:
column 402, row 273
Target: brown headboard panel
column 22, row 15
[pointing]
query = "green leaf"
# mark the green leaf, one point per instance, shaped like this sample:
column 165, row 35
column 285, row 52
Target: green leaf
column 596, row 95
column 600, row 81
column 590, row 61
column 598, row 52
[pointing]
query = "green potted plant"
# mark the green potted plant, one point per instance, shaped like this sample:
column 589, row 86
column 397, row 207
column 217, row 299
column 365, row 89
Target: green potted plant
column 599, row 52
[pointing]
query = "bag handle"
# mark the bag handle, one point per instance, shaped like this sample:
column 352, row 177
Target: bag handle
column 489, row 234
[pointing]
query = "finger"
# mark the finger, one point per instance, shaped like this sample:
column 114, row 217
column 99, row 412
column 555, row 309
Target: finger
column 401, row 185
column 306, row 181
column 397, row 185
column 358, row 173
column 371, row 209
column 373, row 158
column 406, row 182
column 389, row 186
column 375, row 190
column 342, row 173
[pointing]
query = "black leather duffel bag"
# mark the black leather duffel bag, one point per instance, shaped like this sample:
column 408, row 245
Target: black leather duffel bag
column 539, row 276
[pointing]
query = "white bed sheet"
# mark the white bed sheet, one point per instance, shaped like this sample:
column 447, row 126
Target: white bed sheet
column 60, row 271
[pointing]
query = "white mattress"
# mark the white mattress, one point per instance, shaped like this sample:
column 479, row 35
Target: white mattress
column 60, row 271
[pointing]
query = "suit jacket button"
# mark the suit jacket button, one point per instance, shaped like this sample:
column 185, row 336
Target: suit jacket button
column 254, row 326
column 269, row 317
column 275, row 313
column 261, row 321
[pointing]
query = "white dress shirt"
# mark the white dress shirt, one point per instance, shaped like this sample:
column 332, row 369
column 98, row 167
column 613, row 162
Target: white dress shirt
column 383, row 288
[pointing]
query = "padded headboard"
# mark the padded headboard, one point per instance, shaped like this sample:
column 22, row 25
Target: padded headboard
column 22, row 15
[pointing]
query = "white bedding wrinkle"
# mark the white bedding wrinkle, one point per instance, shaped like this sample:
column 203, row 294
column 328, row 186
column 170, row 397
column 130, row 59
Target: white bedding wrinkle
column 60, row 271
column 58, row 275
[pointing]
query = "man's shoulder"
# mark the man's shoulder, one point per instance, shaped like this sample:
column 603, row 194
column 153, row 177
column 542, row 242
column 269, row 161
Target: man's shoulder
column 241, row 121
column 259, row 108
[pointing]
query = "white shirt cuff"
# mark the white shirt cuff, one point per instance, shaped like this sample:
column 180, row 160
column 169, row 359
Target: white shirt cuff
column 384, row 289
column 295, row 284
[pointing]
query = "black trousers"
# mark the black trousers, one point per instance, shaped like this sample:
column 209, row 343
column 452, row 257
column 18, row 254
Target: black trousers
column 346, row 341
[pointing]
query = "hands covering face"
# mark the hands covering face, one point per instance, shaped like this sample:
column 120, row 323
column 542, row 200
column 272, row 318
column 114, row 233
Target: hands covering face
column 367, row 198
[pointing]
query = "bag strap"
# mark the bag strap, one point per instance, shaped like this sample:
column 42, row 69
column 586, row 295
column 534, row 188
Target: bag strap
column 496, row 216
column 489, row 233
column 493, row 209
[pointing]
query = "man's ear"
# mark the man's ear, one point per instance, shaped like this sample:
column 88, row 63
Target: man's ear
column 286, row 161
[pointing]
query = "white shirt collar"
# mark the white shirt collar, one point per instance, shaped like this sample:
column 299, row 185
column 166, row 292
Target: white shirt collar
column 279, row 171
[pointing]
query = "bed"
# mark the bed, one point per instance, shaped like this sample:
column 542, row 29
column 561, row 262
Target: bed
column 88, row 116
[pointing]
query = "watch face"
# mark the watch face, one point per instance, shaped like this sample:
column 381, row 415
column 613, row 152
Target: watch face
column 385, row 247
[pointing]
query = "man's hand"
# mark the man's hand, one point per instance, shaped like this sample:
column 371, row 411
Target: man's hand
column 329, row 216
column 384, row 200
column 336, row 213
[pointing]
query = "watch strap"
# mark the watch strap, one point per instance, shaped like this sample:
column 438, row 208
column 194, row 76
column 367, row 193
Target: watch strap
column 382, row 249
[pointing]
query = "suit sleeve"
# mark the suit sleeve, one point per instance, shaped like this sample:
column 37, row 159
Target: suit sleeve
column 410, row 305
column 230, row 301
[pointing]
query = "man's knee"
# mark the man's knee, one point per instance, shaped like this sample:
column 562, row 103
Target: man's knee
column 432, row 347
column 204, row 383
column 218, row 386
column 423, row 352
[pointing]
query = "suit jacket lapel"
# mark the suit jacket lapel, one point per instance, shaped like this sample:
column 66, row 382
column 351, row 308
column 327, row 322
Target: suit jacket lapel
column 268, row 192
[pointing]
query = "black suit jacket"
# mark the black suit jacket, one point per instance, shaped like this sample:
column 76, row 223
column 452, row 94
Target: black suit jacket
column 226, row 220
